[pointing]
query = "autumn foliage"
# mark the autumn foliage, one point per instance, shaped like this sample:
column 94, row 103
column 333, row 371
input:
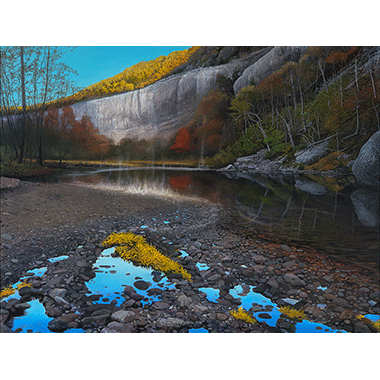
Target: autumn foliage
column 74, row 137
column 180, row 182
column 209, row 130
column 132, row 78
column 182, row 141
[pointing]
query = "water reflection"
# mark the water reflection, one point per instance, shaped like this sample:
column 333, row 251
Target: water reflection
column 263, row 309
column 324, row 212
column 33, row 320
column 113, row 274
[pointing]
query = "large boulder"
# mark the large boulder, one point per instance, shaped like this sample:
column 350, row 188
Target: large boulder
column 366, row 168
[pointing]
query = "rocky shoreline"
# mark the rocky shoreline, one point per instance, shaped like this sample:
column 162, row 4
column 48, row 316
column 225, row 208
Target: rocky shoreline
column 329, row 292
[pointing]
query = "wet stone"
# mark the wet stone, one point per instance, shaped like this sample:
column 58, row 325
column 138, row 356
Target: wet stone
column 283, row 324
column 57, row 325
column 264, row 316
column 361, row 328
column 141, row 285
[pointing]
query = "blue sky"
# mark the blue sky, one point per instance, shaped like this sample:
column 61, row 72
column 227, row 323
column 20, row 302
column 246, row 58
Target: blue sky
column 94, row 63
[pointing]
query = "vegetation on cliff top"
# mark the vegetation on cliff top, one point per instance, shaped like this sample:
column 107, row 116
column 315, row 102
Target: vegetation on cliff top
column 132, row 78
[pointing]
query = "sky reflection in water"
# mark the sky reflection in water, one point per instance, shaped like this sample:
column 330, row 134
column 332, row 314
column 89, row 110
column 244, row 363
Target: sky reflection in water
column 113, row 274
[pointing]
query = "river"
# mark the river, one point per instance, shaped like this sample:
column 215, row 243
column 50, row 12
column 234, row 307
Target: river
column 329, row 214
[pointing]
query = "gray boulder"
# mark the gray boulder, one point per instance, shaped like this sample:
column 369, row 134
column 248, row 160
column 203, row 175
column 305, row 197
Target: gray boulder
column 312, row 154
column 366, row 168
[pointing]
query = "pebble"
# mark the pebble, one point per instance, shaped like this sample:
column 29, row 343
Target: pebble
column 123, row 316
column 293, row 280
column 243, row 261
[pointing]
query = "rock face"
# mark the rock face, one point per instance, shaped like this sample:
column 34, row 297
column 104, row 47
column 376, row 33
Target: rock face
column 157, row 111
column 366, row 168
column 268, row 64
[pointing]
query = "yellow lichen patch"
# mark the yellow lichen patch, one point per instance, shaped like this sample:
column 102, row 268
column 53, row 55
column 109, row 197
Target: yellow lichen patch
column 6, row 292
column 376, row 325
column 243, row 315
column 24, row 284
column 123, row 238
column 135, row 248
column 292, row 313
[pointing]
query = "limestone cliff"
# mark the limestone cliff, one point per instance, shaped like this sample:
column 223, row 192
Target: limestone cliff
column 157, row 111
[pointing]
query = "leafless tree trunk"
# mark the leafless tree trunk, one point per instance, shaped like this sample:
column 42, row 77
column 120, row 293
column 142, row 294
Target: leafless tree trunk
column 23, row 120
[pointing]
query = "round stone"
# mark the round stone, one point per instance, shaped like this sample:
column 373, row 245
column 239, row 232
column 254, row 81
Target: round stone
column 142, row 285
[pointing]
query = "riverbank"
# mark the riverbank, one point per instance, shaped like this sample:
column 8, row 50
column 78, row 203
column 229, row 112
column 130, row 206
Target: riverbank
column 41, row 221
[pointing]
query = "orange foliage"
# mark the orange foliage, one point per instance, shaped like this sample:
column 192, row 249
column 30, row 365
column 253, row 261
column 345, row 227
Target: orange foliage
column 341, row 58
column 82, row 134
column 274, row 81
column 182, row 141
column 87, row 137
column 180, row 182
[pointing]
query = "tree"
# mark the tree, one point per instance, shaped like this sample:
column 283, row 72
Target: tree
column 182, row 141
column 33, row 77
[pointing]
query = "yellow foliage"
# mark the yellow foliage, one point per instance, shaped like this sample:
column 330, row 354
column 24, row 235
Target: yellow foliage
column 376, row 325
column 243, row 315
column 7, row 292
column 24, row 284
column 292, row 313
column 135, row 248
column 137, row 76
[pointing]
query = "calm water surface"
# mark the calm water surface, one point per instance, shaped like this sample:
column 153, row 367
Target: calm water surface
column 323, row 212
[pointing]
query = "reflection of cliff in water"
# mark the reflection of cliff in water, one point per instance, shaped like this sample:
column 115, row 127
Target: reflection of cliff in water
column 320, row 211
column 303, row 210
